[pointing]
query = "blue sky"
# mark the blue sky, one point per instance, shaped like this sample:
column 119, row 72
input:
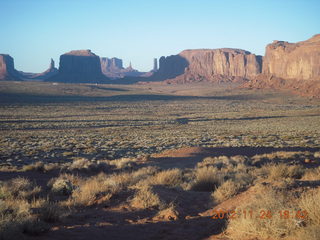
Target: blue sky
column 33, row 31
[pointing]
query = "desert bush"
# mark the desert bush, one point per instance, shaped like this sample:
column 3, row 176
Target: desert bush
column 80, row 163
column 90, row 189
column 21, row 188
column 171, row 177
column 83, row 164
column 37, row 166
column 63, row 185
column 310, row 202
column 206, row 179
column 281, row 171
column 309, row 233
column 51, row 212
column 255, row 227
column 312, row 174
column 226, row 190
column 146, row 198
column 123, row 163
column 14, row 216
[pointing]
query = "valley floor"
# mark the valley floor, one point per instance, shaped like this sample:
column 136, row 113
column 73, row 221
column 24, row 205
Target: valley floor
column 157, row 161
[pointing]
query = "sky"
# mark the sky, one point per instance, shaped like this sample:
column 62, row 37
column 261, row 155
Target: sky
column 33, row 31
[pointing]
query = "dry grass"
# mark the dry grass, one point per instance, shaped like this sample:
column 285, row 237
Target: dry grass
column 227, row 190
column 206, row 179
column 64, row 184
column 310, row 202
column 123, row 163
column 146, row 198
column 312, row 174
column 89, row 190
column 171, row 177
column 18, row 188
column 255, row 228
column 281, row 171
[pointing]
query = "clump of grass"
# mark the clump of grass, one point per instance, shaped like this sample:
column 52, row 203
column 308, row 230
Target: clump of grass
column 310, row 202
column 309, row 233
column 123, row 163
column 64, row 184
column 171, row 177
column 80, row 163
column 227, row 190
column 206, row 179
column 51, row 212
column 84, row 164
column 18, row 188
column 312, row 174
column 14, row 214
column 37, row 166
column 89, row 190
column 255, row 227
column 146, row 198
column 281, row 171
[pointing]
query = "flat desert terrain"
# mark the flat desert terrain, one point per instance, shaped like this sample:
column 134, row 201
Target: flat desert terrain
column 157, row 161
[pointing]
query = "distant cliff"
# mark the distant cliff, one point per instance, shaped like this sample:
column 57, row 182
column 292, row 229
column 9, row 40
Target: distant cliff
column 7, row 70
column 80, row 66
column 293, row 60
column 51, row 71
column 113, row 68
column 292, row 66
column 213, row 65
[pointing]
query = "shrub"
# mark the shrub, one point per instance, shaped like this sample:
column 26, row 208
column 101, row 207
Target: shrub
column 51, row 212
column 227, row 190
column 19, row 187
column 62, row 186
column 310, row 202
column 171, row 177
column 281, row 171
column 145, row 198
column 249, row 227
column 206, row 179
column 90, row 189
column 37, row 166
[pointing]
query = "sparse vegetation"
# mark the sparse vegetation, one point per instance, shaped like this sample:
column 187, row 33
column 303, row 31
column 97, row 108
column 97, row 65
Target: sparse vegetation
column 111, row 157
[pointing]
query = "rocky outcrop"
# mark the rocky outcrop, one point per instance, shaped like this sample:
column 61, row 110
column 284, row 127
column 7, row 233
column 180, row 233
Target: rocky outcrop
column 80, row 66
column 213, row 65
column 113, row 68
column 111, row 65
column 293, row 60
column 7, row 70
column 51, row 71
column 291, row 66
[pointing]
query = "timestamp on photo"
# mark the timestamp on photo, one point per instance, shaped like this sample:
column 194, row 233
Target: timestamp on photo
column 260, row 214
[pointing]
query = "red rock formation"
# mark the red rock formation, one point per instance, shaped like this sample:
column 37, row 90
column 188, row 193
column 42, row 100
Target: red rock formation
column 113, row 68
column 213, row 65
column 7, row 70
column 80, row 66
column 51, row 71
column 292, row 66
column 293, row 60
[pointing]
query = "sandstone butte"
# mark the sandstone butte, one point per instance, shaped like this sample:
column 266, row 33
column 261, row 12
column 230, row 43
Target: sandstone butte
column 79, row 66
column 213, row 65
column 7, row 70
column 292, row 66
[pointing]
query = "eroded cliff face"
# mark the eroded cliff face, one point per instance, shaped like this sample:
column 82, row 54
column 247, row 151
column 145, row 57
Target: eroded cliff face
column 113, row 68
column 7, row 70
column 80, row 66
column 291, row 66
column 213, row 65
column 299, row 61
